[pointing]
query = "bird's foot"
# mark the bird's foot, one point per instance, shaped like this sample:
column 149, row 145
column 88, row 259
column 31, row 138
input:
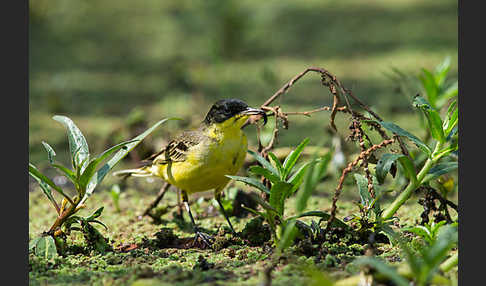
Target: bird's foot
column 205, row 239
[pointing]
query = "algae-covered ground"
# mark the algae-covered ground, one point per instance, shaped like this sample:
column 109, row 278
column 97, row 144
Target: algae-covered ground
column 150, row 252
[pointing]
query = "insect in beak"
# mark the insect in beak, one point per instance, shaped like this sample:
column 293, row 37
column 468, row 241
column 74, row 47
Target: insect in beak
column 255, row 111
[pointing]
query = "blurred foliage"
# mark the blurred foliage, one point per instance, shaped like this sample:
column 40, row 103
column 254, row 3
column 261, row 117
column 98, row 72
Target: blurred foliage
column 99, row 60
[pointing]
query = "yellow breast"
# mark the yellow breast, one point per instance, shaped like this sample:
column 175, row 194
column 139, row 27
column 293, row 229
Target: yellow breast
column 222, row 153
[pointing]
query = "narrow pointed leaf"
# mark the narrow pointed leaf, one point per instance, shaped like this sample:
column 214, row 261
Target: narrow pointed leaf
column 258, row 170
column 298, row 177
column 91, row 168
column 440, row 169
column 68, row 173
column 441, row 71
column 409, row 168
column 50, row 152
column 77, row 143
column 277, row 164
column 267, row 165
column 292, row 158
column 278, row 194
column 364, row 194
column 433, row 118
column 452, row 119
column 447, row 94
column 96, row 214
column 251, row 181
column 101, row 173
column 402, row 132
column 384, row 269
column 325, row 216
column 255, row 212
column 290, row 232
column 41, row 177
column 445, row 241
column 47, row 191
column 430, row 86
column 99, row 222
column 309, row 184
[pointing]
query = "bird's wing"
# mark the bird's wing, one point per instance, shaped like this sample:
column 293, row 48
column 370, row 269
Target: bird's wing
column 177, row 148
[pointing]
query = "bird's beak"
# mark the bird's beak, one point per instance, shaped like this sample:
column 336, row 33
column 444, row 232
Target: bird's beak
column 255, row 111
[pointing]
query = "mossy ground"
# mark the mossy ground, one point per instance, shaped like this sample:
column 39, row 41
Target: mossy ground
column 145, row 252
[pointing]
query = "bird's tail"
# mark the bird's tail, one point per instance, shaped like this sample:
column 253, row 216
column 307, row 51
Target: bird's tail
column 140, row 172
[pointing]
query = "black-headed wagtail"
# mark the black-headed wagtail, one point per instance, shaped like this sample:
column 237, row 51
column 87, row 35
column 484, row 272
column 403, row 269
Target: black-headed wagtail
column 198, row 160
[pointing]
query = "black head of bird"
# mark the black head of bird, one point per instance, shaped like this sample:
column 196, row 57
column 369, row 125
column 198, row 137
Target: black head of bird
column 225, row 109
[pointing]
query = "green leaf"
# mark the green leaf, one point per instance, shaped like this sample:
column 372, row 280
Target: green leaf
column 252, row 182
column 337, row 222
column 383, row 268
column 267, row 165
column 292, row 158
column 45, row 247
column 255, row 212
column 309, row 184
column 47, row 191
column 402, row 132
column 99, row 222
column 437, row 252
column 321, row 167
column 364, row 194
column 96, row 214
column 50, row 152
column 263, row 203
column 421, row 231
column 441, row 71
column 447, row 94
column 288, row 235
column 385, row 162
column 101, row 173
column 430, row 86
column 278, row 194
column 91, row 168
column 409, row 168
column 40, row 177
column 68, row 173
column 298, row 177
column 77, row 143
column 258, row 170
column 452, row 118
column 277, row 164
column 439, row 170
column 33, row 243
column 384, row 165
column 433, row 118
column 435, row 125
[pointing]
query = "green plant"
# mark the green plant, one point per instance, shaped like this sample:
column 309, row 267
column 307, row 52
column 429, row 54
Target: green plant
column 85, row 175
column 429, row 232
column 443, row 131
column 284, row 182
column 115, row 196
column 422, row 265
column 434, row 84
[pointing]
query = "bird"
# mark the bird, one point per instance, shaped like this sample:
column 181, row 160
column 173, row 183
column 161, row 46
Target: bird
column 198, row 160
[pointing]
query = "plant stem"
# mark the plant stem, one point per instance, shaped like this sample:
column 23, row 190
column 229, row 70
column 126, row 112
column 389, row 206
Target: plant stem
column 449, row 263
column 61, row 218
column 412, row 185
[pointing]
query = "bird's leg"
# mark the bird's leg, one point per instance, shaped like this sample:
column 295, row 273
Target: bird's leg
column 179, row 204
column 204, row 237
column 217, row 196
